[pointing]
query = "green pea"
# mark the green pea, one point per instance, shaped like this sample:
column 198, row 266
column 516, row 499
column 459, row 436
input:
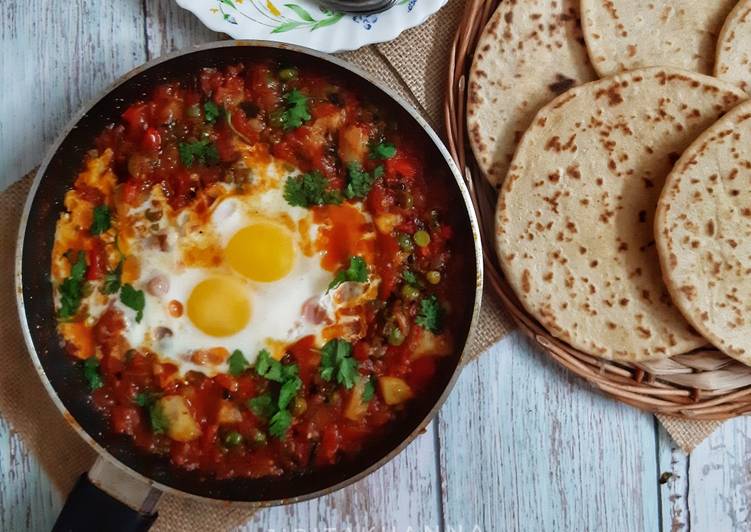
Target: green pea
column 299, row 406
column 433, row 277
column 410, row 292
column 233, row 439
column 396, row 337
column 405, row 243
column 288, row 74
column 276, row 119
column 194, row 111
column 259, row 437
column 422, row 238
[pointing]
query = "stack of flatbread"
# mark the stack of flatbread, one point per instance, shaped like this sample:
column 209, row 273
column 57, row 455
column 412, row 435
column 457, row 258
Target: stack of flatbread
column 618, row 137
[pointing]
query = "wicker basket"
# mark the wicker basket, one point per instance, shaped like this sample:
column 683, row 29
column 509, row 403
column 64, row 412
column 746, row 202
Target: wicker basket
column 705, row 385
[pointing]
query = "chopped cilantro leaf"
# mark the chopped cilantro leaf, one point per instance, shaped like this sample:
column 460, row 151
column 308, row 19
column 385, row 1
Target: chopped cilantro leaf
column 288, row 391
column 360, row 181
column 237, row 363
column 159, row 422
column 382, row 151
column 112, row 279
column 91, row 373
column 134, row 299
column 101, row 220
column 71, row 289
column 310, row 189
column 337, row 361
column 280, row 423
column 262, row 405
column 296, row 111
column 202, row 151
column 429, row 316
column 356, row 272
column 211, row 112
column 368, row 391
column 145, row 399
column 409, row 277
column 268, row 367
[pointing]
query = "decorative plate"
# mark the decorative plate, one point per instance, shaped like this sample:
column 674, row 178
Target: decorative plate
column 306, row 23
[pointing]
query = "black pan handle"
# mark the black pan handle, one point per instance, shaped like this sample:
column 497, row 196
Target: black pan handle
column 108, row 499
column 91, row 509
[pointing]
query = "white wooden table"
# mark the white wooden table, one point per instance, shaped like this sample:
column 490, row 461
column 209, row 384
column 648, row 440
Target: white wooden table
column 520, row 444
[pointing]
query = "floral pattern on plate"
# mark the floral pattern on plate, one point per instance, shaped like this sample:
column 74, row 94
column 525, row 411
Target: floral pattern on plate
column 306, row 23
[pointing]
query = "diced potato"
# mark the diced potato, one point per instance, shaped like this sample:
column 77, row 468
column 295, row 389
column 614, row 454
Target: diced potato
column 180, row 423
column 394, row 390
column 431, row 345
column 356, row 407
column 229, row 414
column 79, row 337
column 131, row 269
column 353, row 144
column 386, row 223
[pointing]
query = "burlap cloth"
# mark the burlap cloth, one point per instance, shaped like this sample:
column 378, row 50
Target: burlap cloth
column 415, row 66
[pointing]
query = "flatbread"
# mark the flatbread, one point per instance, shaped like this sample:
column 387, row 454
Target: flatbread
column 703, row 233
column 733, row 63
column 574, row 221
column 529, row 52
column 628, row 34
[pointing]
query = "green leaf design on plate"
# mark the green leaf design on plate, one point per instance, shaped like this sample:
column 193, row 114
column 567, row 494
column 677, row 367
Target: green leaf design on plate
column 287, row 26
column 336, row 17
column 304, row 15
column 230, row 3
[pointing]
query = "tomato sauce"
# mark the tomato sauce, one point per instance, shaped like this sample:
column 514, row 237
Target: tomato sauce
column 340, row 400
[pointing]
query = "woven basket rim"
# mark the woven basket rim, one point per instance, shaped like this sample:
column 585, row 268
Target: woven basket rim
column 639, row 385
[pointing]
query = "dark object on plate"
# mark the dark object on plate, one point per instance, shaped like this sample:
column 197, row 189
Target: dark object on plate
column 359, row 6
column 123, row 472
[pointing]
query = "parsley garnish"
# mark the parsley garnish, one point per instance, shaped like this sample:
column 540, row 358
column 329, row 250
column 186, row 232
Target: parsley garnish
column 101, row 220
column 310, row 189
column 288, row 391
column 237, row 363
column 203, row 151
column 211, row 112
column 71, row 288
column 360, row 181
column 145, row 399
column 409, row 277
column 297, row 110
column 112, row 279
column 368, row 391
column 430, row 314
column 91, row 373
column 337, row 362
column 269, row 368
column 356, row 272
column 134, row 299
column 159, row 422
column 382, row 151
column 262, row 405
column 280, row 423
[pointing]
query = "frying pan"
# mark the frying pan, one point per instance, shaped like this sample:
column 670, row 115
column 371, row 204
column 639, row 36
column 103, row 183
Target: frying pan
column 123, row 487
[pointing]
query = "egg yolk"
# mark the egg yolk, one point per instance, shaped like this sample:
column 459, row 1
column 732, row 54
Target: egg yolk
column 218, row 306
column 262, row 252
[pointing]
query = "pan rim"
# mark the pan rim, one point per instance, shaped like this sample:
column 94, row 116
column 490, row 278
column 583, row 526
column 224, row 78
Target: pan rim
column 102, row 452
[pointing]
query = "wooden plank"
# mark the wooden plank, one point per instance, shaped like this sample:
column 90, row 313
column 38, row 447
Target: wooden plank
column 719, row 480
column 170, row 27
column 54, row 57
column 526, row 445
column 402, row 493
column 27, row 499
column 673, row 483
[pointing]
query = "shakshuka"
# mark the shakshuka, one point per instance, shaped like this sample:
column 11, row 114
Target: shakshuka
column 254, row 270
